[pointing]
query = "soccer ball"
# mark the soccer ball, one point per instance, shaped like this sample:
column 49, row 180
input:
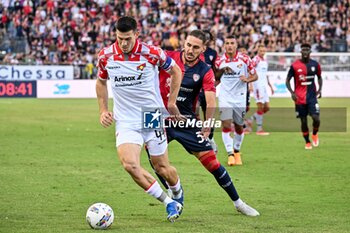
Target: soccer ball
column 99, row 216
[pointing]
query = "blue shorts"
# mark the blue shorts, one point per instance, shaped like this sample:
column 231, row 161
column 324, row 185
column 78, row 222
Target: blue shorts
column 190, row 138
column 302, row 110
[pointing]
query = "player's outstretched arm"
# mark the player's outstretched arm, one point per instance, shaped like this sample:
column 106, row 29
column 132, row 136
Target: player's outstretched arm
column 106, row 117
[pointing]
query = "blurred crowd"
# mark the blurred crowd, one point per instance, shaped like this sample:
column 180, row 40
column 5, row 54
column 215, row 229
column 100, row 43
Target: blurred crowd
column 72, row 32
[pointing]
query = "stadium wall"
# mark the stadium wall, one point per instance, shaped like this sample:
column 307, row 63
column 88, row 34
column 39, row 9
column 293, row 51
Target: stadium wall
column 335, row 83
column 30, row 72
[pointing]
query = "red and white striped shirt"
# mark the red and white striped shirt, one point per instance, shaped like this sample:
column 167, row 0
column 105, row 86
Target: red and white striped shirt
column 231, row 86
column 134, row 80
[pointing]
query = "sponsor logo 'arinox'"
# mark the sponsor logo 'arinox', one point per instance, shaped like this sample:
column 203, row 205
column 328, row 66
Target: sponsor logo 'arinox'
column 127, row 78
column 124, row 78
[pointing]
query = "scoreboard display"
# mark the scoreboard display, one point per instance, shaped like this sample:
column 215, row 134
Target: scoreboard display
column 18, row 89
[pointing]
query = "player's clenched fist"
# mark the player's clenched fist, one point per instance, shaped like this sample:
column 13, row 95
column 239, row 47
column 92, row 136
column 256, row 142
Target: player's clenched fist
column 106, row 119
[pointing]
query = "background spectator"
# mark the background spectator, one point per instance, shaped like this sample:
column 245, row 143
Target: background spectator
column 67, row 31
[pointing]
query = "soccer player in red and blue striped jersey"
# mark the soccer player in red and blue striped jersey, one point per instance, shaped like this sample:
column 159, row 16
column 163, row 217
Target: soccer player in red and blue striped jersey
column 305, row 93
column 198, row 75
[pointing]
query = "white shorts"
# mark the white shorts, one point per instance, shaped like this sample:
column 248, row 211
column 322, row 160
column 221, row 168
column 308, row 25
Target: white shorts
column 232, row 111
column 260, row 94
column 155, row 140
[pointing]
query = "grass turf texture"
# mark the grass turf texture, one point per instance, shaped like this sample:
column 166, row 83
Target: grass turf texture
column 56, row 160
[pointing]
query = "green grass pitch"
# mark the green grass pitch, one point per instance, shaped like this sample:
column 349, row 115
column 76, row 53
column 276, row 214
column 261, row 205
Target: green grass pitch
column 56, row 160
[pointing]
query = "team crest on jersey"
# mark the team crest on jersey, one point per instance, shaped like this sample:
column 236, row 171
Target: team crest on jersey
column 300, row 70
column 211, row 57
column 313, row 69
column 196, row 77
column 141, row 67
column 239, row 66
column 302, row 78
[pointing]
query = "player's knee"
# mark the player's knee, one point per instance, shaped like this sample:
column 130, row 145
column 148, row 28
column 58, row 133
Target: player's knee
column 226, row 126
column 226, row 129
column 266, row 109
column 315, row 118
column 316, row 122
column 303, row 120
column 304, row 126
column 260, row 111
column 209, row 161
column 131, row 168
column 239, row 129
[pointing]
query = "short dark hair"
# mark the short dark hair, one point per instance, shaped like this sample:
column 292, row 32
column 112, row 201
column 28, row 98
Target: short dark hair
column 305, row 45
column 198, row 34
column 125, row 24
column 230, row 37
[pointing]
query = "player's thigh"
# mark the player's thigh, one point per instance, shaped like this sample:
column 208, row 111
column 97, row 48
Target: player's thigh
column 313, row 109
column 192, row 139
column 226, row 124
column 156, row 141
column 260, row 95
column 266, row 106
column 160, row 161
column 129, row 143
column 226, row 109
column 265, row 98
column 301, row 110
column 257, row 94
column 125, row 135
column 260, row 106
column 239, row 112
column 226, row 114
column 129, row 154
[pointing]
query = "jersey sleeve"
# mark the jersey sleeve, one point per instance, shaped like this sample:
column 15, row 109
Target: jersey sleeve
column 209, row 81
column 218, row 62
column 291, row 72
column 164, row 61
column 255, row 61
column 250, row 65
column 101, row 65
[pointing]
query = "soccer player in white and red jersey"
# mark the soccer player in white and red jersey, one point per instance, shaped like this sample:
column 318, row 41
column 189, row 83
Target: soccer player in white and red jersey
column 235, row 70
column 260, row 90
column 132, row 68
